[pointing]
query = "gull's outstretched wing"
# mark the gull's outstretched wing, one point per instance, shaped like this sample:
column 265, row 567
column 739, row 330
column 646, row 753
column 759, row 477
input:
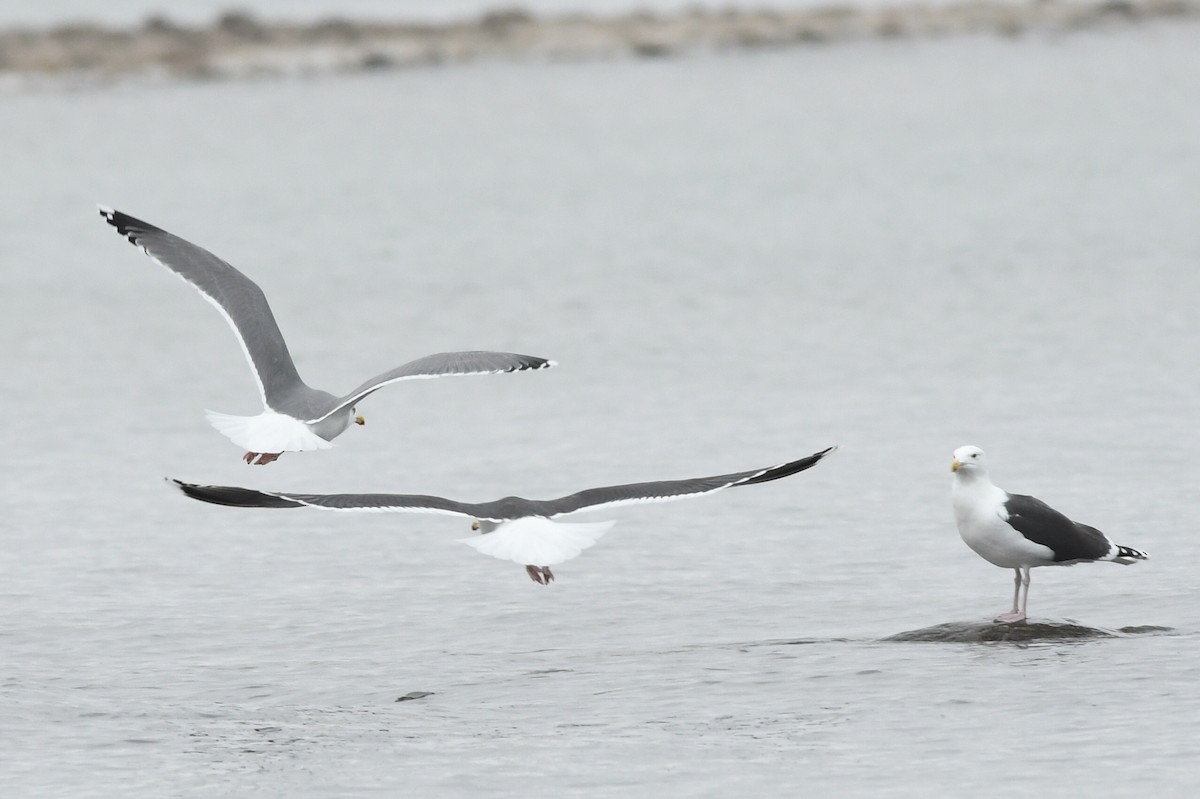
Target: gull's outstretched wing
column 378, row 503
column 500, row 510
column 238, row 298
column 670, row 490
column 444, row 364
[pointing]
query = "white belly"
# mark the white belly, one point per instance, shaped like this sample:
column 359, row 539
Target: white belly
column 538, row 541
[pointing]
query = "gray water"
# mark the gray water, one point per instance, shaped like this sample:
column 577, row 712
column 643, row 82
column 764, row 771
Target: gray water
column 896, row 247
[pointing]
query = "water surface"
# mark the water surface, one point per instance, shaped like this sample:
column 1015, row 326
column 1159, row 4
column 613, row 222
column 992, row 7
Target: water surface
column 899, row 248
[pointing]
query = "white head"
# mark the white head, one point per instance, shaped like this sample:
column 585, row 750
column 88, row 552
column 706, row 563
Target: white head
column 968, row 461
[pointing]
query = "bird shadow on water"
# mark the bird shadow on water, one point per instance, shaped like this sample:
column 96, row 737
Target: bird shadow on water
column 976, row 632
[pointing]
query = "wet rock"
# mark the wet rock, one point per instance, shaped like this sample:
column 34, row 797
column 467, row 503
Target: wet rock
column 160, row 24
column 1145, row 629
column 376, row 60
column 651, row 49
column 334, row 29
column 238, row 44
column 985, row 632
column 411, row 695
column 242, row 25
column 1119, row 7
column 502, row 21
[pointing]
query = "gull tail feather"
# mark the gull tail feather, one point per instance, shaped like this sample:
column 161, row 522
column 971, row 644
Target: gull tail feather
column 267, row 432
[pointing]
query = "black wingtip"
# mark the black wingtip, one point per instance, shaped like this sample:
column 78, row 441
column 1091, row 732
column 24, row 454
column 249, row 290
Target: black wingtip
column 232, row 496
column 532, row 363
column 788, row 469
column 1129, row 553
column 128, row 226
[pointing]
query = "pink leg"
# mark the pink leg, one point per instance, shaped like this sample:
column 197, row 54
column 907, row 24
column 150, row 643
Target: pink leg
column 263, row 458
column 540, row 574
column 1021, row 579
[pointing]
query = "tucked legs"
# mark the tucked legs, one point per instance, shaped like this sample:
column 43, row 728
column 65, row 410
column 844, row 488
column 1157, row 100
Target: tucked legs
column 540, row 574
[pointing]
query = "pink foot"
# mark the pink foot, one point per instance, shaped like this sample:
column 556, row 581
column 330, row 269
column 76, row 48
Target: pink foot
column 1010, row 618
column 263, row 458
column 540, row 574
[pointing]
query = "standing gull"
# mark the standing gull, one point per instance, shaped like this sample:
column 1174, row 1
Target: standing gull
column 1019, row 532
column 514, row 528
column 295, row 417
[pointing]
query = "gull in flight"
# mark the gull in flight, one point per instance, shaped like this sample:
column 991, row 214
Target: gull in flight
column 521, row 530
column 295, row 417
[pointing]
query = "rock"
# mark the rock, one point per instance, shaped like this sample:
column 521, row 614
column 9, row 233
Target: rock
column 411, row 695
column 376, row 60
column 988, row 631
column 238, row 44
column 242, row 25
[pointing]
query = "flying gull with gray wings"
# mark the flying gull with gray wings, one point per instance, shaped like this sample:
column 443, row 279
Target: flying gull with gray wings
column 295, row 417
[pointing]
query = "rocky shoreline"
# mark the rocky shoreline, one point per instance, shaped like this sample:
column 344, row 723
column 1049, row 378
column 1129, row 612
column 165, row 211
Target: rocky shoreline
column 238, row 45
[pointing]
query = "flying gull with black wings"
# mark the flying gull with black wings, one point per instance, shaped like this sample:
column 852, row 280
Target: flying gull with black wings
column 522, row 530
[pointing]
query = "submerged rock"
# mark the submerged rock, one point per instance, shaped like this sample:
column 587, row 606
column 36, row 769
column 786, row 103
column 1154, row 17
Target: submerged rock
column 411, row 695
column 1145, row 629
column 971, row 632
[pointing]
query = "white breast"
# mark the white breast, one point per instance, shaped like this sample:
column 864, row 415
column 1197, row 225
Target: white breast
column 979, row 512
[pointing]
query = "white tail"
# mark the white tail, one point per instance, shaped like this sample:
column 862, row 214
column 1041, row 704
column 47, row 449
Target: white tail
column 537, row 541
column 267, row 432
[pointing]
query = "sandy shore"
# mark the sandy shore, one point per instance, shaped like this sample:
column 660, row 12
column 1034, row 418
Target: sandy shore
column 238, row 45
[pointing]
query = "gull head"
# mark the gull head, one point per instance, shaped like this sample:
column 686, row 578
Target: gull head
column 967, row 459
column 483, row 525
